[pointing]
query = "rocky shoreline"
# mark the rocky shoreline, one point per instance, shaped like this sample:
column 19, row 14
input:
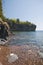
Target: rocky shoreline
column 27, row 55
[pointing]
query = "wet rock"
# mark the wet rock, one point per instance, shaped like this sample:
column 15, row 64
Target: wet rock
column 12, row 57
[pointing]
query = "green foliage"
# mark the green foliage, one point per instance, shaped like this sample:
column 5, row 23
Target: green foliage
column 17, row 21
column 1, row 11
column 1, row 14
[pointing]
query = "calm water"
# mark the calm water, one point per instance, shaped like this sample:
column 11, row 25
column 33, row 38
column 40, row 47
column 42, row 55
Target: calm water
column 22, row 38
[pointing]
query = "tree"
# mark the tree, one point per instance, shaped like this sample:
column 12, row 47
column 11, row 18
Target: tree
column 17, row 21
column 1, row 14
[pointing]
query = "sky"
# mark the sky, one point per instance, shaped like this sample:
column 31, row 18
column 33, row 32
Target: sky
column 25, row 10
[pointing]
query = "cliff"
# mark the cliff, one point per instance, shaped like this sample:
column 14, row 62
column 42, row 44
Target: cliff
column 24, row 27
column 17, row 25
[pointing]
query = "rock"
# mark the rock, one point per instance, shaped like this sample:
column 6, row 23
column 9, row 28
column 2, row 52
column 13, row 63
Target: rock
column 0, row 63
column 41, row 54
column 12, row 57
column 3, row 42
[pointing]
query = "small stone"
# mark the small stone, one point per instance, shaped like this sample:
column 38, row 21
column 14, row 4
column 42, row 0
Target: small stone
column 0, row 48
column 0, row 63
column 29, row 51
column 12, row 57
column 41, row 54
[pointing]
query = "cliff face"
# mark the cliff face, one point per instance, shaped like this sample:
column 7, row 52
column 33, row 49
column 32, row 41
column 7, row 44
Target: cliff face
column 21, row 27
column 24, row 27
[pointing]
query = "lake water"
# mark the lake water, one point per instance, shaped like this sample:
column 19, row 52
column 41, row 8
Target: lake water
column 21, row 38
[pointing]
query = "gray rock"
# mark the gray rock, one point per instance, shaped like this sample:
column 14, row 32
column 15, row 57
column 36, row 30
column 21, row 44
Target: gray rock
column 41, row 54
column 12, row 57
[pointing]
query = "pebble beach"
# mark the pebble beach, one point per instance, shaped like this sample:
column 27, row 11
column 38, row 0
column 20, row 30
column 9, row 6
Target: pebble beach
column 26, row 55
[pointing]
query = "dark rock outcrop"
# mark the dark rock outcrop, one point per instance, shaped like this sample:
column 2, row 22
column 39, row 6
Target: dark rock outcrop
column 21, row 27
column 24, row 27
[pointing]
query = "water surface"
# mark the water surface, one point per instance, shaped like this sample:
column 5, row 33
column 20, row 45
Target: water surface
column 21, row 38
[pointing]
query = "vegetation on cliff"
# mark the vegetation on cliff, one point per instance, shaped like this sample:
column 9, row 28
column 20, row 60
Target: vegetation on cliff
column 17, row 25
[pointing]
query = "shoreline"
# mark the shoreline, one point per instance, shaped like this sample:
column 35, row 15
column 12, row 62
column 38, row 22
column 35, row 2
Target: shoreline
column 27, row 55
